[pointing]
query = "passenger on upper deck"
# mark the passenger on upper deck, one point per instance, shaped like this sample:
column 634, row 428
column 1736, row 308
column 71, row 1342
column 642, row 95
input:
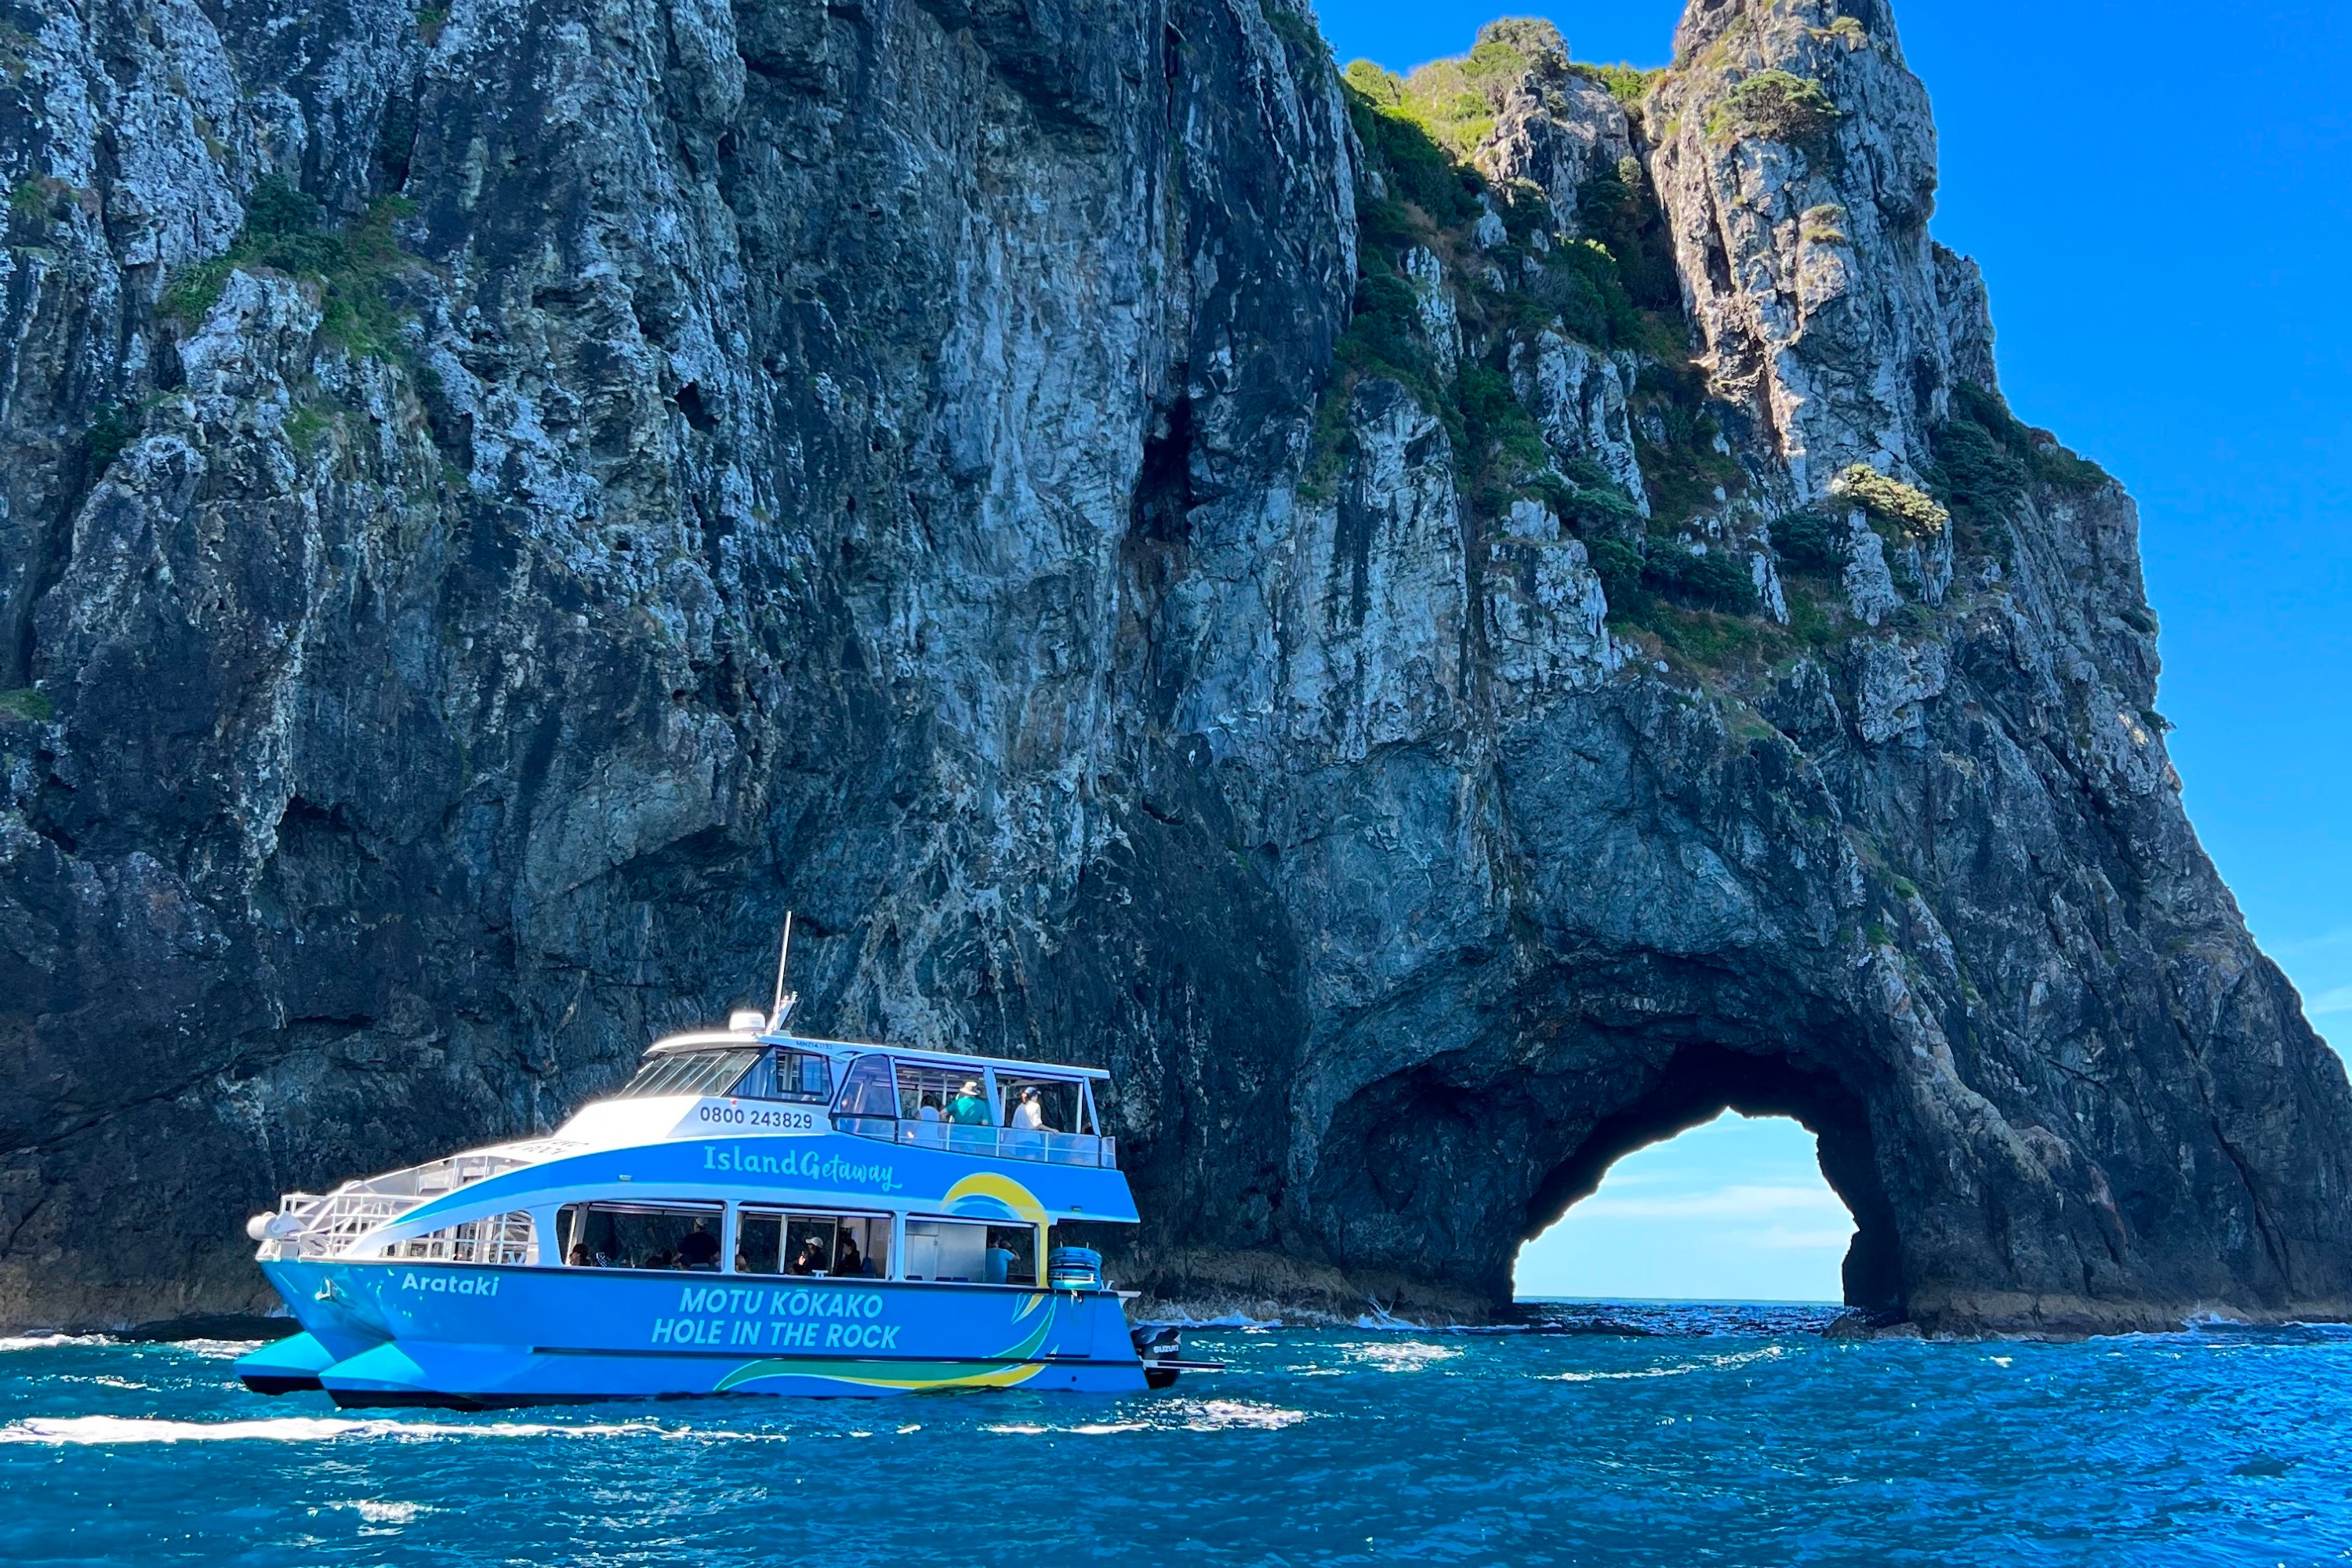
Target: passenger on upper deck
column 698, row 1250
column 1030, row 1114
column 968, row 1108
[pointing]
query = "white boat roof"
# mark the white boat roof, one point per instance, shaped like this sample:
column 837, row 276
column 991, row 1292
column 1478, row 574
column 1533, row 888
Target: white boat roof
column 719, row 1039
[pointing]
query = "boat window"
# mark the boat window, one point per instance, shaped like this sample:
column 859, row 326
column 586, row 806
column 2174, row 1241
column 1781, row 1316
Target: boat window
column 500, row 1238
column 826, row 1245
column 691, row 1072
column 869, row 1100
column 1059, row 1102
column 642, row 1236
column 787, row 1075
column 946, row 1250
column 958, row 1095
column 1012, row 1256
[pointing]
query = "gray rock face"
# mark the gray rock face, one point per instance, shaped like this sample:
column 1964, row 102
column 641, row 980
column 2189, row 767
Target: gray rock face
column 1556, row 130
column 869, row 458
column 1580, row 400
column 1796, row 158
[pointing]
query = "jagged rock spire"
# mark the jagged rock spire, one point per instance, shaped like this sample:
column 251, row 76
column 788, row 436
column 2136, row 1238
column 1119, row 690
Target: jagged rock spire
column 1795, row 155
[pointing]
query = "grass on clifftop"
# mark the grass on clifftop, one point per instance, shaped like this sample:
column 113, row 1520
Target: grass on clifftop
column 1418, row 133
column 1454, row 102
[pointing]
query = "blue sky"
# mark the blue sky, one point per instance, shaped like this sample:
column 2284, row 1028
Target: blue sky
column 2158, row 194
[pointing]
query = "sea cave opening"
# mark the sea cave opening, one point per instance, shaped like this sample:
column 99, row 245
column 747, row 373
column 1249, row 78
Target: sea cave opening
column 1731, row 1176
column 1735, row 1209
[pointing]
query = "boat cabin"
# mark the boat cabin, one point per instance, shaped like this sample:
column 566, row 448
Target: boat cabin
column 985, row 1106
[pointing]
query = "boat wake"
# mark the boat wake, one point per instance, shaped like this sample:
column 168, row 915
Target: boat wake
column 78, row 1430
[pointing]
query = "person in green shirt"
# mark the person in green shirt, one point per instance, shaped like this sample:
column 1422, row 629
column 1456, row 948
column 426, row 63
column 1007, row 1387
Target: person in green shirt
column 968, row 1108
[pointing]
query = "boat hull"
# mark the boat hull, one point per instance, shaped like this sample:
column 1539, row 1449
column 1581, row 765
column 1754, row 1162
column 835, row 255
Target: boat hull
column 393, row 1333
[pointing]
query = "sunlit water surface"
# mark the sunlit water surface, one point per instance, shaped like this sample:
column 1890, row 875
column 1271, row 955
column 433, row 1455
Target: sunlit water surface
column 1723, row 1435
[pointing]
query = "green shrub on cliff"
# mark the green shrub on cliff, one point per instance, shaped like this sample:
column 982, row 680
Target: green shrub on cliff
column 1709, row 580
column 1627, row 84
column 1808, row 542
column 1775, row 106
column 1497, row 426
column 26, row 702
column 1987, row 461
column 1620, row 211
column 1906, row 507
column 1619, row 566
column 1580, row 287
column 111, row 429
column 1399, row 147
column 353, row 268
column 1455, row 101
column 1978, row 476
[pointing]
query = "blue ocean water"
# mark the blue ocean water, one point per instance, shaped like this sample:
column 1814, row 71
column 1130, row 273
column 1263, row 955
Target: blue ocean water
column 1585, row 1435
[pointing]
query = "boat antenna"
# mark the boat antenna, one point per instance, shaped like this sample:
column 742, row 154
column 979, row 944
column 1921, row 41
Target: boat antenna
column 784, row 957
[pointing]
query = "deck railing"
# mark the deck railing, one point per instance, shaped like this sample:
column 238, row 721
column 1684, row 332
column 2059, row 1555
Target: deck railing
column 990, row 1142
column 494, row 1238
column 330, row 1224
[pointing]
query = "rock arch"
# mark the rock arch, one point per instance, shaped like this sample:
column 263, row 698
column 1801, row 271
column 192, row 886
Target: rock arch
column 1429, row 1178
column 1698, row 1083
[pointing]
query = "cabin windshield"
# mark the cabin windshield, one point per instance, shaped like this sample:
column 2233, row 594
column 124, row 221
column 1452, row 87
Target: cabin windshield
column 692, row 1072
column 787, row 1075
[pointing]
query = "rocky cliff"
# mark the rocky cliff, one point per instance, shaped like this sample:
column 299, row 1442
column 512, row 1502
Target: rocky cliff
column 1442, row 628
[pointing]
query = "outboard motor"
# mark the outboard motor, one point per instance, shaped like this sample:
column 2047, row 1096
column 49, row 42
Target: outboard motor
column 1160, row 1345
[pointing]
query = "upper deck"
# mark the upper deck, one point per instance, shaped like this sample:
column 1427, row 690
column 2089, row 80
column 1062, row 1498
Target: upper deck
column 750, row 1078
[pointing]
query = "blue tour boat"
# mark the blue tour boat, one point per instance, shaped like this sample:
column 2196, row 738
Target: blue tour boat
column 755, row 1212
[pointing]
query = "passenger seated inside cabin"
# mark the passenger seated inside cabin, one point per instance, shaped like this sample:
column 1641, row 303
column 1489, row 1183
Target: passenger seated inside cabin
column 698, row 1250
column 580, row 1257
column 663, row 1259
column 848, row 1262
column 810, row 1258
column 968, row 1108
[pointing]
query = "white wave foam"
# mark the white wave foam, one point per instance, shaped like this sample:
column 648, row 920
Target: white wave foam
column 1223, row 1415
column 1227, row 1320
column 79, row 1430
column 1704, row 1364
column 1405, row 1355
column 1380, row 1317
column 377, row 1512
column 50, row 1342
column 1187, row 1414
